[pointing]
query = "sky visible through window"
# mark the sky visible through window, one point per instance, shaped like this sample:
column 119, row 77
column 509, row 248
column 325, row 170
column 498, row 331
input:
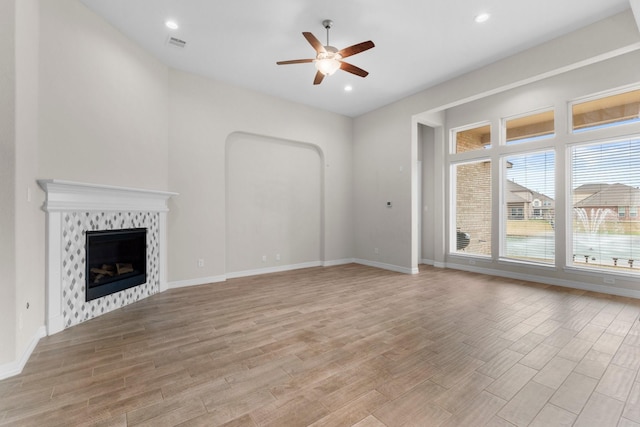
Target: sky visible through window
column 609, row 163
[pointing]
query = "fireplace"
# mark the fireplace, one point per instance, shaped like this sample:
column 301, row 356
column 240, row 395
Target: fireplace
column 75, row 209
column 116, row 260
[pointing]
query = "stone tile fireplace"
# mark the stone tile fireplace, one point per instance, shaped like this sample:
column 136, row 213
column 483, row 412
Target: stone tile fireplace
column 73, row 209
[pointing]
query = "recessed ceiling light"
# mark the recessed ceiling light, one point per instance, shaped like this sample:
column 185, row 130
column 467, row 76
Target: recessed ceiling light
column 172, row 25
column 348, row 88
column 482, row 17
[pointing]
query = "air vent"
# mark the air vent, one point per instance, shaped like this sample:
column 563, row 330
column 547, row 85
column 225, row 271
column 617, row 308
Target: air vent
column 175, row 42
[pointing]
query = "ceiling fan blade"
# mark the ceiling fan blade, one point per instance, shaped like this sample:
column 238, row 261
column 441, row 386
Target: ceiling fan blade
column 318, row 79
column 353, row 69
column 295, row 61
column 356, row 48
column 314, row 42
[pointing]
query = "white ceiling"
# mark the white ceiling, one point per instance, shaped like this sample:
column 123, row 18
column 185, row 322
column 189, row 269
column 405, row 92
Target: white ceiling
column 419, row 43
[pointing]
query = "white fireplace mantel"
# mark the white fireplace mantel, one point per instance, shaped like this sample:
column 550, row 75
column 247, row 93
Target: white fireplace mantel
column 75, row 196
column 63, row 197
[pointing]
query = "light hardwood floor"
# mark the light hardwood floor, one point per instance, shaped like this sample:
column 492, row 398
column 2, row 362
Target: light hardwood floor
column 342, row 346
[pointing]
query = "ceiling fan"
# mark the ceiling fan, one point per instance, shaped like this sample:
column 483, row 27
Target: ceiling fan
column 329, row 59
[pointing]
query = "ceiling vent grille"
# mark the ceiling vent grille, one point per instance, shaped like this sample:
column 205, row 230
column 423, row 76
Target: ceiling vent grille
column 176, row 42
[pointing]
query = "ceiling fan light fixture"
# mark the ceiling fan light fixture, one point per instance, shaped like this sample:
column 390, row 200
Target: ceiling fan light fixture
column 327, row 66
column 328, row 62
column 328, row 59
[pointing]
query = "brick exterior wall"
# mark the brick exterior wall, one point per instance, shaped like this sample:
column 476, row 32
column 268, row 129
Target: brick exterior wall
column 473, row 195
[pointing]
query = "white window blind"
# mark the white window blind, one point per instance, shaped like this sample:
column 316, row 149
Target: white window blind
column 529, row 190
column 605, row 189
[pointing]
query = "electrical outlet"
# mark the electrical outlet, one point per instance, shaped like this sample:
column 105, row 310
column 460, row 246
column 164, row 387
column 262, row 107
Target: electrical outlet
column 264, row 258
column 277, row 257
column 200, row 262
column 376, row 250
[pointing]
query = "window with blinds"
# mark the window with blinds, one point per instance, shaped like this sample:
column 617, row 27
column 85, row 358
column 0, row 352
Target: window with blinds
column 605, row 195
column 529, row 199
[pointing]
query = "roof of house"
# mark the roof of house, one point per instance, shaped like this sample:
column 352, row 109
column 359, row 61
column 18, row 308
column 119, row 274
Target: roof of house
column 515, row 191
column 590, row 188
column 612, row 195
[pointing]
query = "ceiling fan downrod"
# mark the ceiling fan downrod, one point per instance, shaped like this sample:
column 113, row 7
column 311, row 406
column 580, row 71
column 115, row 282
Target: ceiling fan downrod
column 327, row 23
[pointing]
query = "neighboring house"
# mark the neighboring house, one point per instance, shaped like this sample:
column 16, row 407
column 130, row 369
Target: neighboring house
column 524, row 203
column 623, row 200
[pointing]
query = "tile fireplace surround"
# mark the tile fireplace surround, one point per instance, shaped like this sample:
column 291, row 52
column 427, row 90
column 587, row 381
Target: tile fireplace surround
column 72, row 209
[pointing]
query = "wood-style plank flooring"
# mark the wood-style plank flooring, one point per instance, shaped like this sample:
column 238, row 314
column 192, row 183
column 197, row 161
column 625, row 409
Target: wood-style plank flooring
column 342, row 346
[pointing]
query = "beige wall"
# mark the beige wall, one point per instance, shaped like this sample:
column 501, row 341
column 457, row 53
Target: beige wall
column 203, row 115
column 7, row 183
column 274, row 196
column 29, row 225
column 103, row 102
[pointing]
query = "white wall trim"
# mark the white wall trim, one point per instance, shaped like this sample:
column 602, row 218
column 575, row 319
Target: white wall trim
column 14, row 368
column 196, row 282
column 391, row 267
column 427, row 261
column 334, row 262
column 276, row 269
column 610, row 290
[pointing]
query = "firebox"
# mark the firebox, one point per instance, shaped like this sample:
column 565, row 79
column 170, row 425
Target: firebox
column 115, row 260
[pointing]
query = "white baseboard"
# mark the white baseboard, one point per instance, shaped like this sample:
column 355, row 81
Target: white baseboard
column 55, row 324
column 438, row 264
column 196, row 282
column 277, row 269
column 14, row 368
column 335, row 262
column 247, row 273
column 391, row 267
column 623, row 292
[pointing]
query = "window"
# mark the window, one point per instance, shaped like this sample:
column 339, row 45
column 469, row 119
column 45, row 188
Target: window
column 605, row 183
column 633, row 212
column 473, row 207
column 477, row 138
column 529, row 190
column 516, row 213
column 606, row 111
column 530, row 128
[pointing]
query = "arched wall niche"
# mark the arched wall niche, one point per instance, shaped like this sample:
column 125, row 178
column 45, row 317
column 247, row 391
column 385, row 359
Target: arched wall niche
column 274, row 203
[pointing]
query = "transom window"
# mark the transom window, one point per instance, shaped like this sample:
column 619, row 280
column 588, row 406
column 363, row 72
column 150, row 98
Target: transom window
column 530, row 127
column 477, row 138
column 606, row 111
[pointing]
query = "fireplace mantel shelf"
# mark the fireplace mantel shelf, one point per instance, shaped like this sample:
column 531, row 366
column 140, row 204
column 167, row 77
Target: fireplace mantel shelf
column 70, row 196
